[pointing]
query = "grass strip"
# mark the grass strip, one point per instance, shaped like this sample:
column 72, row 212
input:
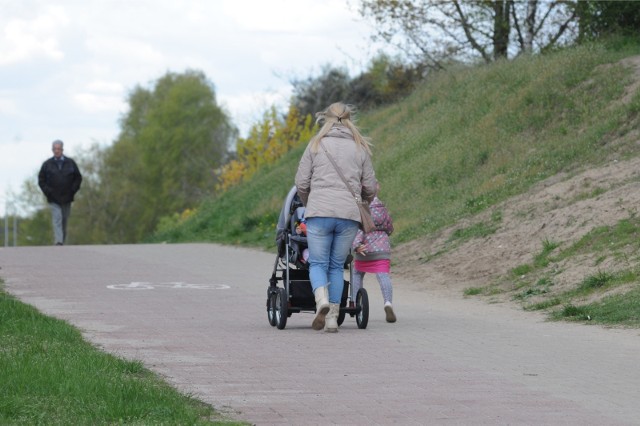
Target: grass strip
column 51, row 375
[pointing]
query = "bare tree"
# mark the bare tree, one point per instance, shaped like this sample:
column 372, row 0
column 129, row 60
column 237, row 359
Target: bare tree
column 435, row 32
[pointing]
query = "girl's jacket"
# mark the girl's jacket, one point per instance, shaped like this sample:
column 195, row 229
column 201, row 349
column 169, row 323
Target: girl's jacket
column 377, row 241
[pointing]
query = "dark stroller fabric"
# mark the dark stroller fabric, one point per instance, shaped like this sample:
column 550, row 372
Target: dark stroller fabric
column 291, row 215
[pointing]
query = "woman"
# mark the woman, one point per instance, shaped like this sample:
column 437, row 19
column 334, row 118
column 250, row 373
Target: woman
column 331, row 211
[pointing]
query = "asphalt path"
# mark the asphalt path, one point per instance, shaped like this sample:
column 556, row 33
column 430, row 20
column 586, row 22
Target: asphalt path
column 195, row 313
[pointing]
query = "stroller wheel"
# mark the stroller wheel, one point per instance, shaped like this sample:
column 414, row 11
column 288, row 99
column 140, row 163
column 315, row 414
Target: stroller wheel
column 362, row 302
column 281, row 307
column 343, row 300
column 271, row 308
column 342, row 313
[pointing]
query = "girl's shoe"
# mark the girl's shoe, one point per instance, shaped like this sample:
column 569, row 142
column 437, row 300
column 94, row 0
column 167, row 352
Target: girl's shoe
column 388, row 310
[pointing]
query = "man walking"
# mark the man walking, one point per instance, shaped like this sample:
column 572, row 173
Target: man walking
column 59, row 179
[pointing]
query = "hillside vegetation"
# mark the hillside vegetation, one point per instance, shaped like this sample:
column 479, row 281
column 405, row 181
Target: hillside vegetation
column 457, row 153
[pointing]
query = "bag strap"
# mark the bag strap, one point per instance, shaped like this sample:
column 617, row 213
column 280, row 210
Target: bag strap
column 344, row 179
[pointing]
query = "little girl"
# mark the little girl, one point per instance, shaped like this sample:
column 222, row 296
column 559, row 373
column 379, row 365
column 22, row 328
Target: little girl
column 373, row 254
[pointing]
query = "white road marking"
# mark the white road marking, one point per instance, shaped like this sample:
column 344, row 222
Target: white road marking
column 143, row 285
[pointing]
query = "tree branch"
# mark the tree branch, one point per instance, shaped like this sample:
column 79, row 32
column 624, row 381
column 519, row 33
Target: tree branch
column 466, row 28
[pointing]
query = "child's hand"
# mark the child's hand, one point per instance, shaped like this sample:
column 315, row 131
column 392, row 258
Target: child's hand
column 362, row 249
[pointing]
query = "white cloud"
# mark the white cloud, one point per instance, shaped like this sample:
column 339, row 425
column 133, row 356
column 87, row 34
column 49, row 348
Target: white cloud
column 101, row 96
column 275, row 15
column 8, row 107
column 26, row 39
column 96, row 103
column 124, row 49
column 17, row 171
column 105, row 86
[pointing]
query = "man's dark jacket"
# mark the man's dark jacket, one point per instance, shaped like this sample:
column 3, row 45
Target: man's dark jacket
column 59, row 185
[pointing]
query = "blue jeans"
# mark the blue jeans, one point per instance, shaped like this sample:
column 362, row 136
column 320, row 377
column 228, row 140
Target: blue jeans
column 329, row 240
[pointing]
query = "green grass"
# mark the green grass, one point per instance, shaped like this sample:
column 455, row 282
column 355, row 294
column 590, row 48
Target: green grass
column 599, row 280
column 542, row 259
column 472, row 291
column 606, row 239
column 619, row 309
column 50, row 375
column 477, row 230
column 521, row 270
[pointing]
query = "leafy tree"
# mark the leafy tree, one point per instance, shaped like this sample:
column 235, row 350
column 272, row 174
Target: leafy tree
column 435, row 33
column 172, row 142
column 603, row 18
column 267, row 142
column 35, row 230
column 384, row 81
column 90, row 222
column 314, row 94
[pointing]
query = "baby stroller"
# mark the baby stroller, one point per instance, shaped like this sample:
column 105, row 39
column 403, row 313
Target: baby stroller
column 292, row 270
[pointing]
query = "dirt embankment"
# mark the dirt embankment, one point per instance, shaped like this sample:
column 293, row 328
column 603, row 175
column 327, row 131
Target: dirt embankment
column 560, row 209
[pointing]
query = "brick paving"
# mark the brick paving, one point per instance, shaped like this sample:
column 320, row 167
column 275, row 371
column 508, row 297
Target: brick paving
column 445, row 362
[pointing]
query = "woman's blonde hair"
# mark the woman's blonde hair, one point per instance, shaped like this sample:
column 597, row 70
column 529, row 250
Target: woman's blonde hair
column 339, row 113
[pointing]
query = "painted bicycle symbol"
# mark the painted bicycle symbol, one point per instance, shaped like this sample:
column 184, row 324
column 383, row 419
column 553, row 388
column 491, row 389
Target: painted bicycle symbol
column 144, row 285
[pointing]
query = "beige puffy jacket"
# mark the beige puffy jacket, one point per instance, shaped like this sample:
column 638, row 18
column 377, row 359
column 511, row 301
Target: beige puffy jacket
column 320, row 187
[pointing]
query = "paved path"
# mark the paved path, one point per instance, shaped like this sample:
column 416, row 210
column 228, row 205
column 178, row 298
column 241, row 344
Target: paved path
column 445, row 362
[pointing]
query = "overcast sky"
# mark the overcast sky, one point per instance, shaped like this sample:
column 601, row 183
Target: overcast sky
column 66, row 67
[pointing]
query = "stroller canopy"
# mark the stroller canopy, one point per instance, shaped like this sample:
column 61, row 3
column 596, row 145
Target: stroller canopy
column 291, row 203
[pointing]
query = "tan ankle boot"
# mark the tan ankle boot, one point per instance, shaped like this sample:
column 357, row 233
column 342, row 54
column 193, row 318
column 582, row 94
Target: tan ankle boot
column 331, row 325
column 322, row 307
